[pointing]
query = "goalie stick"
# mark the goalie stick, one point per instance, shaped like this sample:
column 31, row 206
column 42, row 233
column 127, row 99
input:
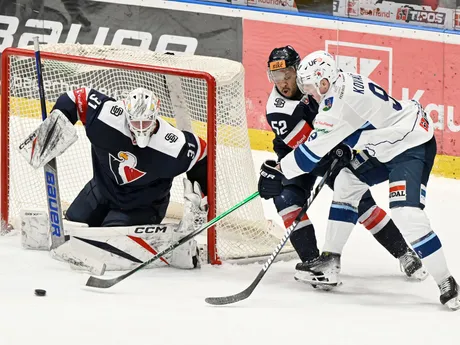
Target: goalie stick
column 106, row 283
column 248, row 291
column 56, row 227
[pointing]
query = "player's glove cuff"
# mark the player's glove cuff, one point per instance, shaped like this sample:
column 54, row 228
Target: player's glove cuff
column 270, row 180
column 343, row 153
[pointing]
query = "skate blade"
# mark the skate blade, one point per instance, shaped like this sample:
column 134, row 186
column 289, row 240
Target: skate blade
column 419, row 275
column 325, row 286
column 453, row 304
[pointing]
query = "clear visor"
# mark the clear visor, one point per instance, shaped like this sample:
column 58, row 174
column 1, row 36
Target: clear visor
column 280, row 75
column 306, row 87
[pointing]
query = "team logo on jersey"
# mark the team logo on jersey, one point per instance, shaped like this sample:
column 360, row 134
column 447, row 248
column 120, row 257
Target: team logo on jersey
column 397, row 191
column 279, row 102
column 124, row 167
column 328, row 103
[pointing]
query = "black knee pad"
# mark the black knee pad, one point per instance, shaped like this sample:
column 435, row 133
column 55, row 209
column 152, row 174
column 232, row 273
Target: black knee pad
column 291, row 195
column 89, row 206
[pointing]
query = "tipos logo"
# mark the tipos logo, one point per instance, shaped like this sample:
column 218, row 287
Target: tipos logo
column 124, row 167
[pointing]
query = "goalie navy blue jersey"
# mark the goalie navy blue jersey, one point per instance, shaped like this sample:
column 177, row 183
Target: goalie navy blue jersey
column 129, row 176
column 290, row 119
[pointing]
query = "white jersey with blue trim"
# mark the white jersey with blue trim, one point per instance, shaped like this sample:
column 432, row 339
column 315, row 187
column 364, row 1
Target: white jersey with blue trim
column 361, row 114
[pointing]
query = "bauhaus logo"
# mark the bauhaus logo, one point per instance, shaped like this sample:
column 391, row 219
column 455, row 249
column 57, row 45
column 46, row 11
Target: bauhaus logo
column 375, row 62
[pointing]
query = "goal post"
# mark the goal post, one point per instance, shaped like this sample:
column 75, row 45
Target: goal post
column 202, row 94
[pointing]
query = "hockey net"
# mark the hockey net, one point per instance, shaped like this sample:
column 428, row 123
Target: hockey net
column 202, row 94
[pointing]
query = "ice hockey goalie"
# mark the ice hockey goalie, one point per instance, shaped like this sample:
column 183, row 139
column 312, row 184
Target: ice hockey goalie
column 115, row 221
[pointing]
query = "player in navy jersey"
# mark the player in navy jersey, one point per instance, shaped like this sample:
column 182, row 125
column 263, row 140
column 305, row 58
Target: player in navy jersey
column 397, row 143
column 291, row 115
column 135, row 157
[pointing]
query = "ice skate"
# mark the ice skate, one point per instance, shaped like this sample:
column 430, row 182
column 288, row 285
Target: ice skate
column 321, row 272
column 449, row 293
column 412, row 266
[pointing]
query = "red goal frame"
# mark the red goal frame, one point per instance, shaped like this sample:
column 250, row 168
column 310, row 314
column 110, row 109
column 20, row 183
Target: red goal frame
column 213, row 257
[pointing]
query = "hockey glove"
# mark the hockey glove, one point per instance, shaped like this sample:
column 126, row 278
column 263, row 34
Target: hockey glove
column 270, row 180
column 344, row 154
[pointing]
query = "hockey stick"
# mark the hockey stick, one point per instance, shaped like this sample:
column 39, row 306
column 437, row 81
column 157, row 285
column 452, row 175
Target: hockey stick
column 106, row 283
column 51, row 175
column 248, row 291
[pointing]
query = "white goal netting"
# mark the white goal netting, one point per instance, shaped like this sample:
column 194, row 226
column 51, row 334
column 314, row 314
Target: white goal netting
column 185, row 101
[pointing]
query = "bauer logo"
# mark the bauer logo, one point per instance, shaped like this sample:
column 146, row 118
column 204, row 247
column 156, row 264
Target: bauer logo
column 372, row 61
column 53, row 204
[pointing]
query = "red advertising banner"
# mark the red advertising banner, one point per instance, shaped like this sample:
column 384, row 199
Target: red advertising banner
column 408, row 68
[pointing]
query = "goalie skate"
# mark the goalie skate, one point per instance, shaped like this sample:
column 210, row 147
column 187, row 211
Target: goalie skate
column 412, row 266
column 449, row 293
column 322, row 272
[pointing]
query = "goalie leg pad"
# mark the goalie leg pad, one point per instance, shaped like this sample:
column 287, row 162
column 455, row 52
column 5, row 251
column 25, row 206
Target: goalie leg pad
column 124, row 248
column 35, row 229
column 78, row 258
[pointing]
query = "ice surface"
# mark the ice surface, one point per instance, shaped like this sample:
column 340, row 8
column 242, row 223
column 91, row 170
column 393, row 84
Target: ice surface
column 375, row 305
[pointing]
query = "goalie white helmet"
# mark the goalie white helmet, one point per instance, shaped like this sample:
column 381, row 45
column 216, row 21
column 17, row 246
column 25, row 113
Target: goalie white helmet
column 142, row 107
column 313, row 68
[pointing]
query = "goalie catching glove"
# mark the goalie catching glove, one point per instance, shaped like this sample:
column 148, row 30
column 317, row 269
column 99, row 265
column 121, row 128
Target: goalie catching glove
column 49, row 140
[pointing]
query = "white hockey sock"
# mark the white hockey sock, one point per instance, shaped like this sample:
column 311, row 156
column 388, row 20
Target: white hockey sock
column 336, row 236
column 416, row 229
column 342, row 219
column 343, row 214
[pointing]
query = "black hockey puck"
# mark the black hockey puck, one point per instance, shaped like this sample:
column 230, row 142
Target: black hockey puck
column 40, row 292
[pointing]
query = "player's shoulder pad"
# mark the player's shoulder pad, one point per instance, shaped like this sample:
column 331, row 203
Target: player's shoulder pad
column 95, row 94
column 277, row 103
column 112, row 114
column 349, row 85
column 168, row 139
column 88, row 102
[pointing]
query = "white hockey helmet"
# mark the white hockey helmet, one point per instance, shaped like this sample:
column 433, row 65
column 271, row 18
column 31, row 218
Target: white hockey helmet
column 142, row 107
column 313, row 68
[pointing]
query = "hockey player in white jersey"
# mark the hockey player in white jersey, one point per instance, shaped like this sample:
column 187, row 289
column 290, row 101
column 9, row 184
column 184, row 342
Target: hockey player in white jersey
column 399, row 138
column 290, row 114
column 136, row 155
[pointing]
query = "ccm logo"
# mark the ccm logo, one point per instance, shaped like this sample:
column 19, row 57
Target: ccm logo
column 150, row 229
column 28, row 140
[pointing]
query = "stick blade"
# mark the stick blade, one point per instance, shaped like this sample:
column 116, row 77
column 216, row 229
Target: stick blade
column 229, row 299
column 102, row 283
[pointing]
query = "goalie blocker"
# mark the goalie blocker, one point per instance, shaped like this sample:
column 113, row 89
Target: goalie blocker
column 97, row 249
